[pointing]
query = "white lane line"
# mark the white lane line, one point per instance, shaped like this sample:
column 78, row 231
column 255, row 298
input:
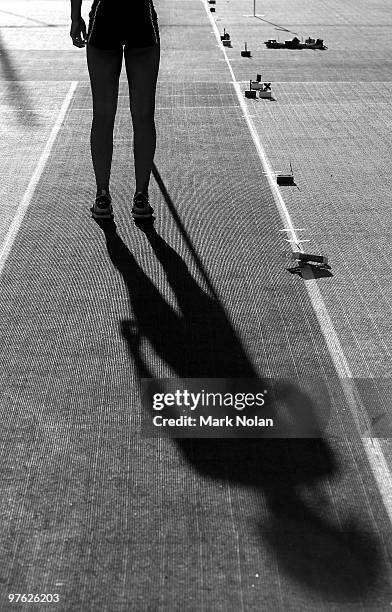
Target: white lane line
column 20, row 212
column 362, row 422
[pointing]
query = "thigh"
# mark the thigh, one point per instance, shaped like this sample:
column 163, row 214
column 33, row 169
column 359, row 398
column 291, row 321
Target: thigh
column 104, row 68
column 142, row 66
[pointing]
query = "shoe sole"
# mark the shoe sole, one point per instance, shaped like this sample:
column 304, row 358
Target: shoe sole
column 103, row 215
column 143, row 215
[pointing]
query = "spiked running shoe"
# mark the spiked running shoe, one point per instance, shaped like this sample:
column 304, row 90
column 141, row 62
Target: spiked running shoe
column 141, row 208
column 102, row 208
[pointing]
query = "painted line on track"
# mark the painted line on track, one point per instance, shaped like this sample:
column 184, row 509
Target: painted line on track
column 20, row 212
column 372, row 446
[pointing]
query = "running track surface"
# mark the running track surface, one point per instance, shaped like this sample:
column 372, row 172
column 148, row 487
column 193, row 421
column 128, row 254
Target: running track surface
column 90, row 508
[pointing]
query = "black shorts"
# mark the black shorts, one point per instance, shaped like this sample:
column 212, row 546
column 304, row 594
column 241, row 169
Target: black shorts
column 114, row 23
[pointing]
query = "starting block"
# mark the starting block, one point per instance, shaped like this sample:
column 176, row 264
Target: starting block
column 246, row 53
column 308, row 257
column 261, row 86
column 265, row 92
column 264, row 89
column 250, row 93
column 286, row 179
column 225, row 39
column 256, row 85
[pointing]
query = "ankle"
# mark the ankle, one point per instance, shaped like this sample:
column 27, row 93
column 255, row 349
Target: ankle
column 103, row 192
column 140, row 196
column 141, row 192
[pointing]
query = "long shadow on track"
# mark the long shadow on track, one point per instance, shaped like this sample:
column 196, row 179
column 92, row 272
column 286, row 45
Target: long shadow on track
column 338, row 561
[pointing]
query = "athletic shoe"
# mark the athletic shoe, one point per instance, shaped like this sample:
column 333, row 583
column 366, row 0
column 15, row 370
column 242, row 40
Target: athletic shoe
column 141, row 208
column 102, row 208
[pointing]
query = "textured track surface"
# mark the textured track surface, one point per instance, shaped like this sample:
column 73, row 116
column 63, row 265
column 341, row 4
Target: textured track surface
column 94, row 511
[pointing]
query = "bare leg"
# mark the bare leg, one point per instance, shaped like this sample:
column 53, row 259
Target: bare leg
column 142, row 65
column 104, row 68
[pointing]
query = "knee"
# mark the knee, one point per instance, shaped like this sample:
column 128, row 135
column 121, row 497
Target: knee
column 104, row 118
column 142, row 116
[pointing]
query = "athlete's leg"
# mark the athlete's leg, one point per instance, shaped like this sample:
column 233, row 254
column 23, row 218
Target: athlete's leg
column 104, row 68
column 142, row 65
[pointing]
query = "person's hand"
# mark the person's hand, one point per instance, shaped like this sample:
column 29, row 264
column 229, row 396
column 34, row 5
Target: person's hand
column 78, row 33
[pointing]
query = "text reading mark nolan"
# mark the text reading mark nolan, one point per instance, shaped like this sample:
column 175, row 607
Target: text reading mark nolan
column 209, row 421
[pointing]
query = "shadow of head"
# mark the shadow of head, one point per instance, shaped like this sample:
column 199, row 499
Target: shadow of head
column 341, row 562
